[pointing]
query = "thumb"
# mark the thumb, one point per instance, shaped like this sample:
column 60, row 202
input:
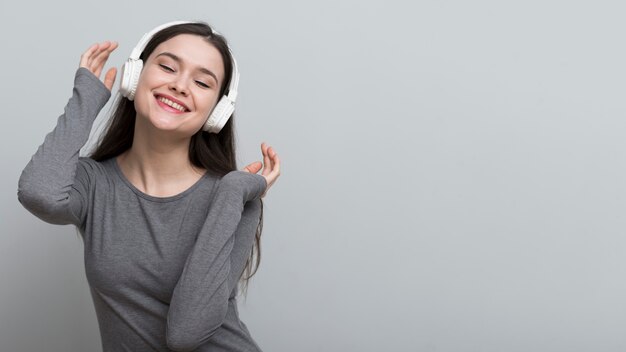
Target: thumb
column 109, row 78
column 254, row 167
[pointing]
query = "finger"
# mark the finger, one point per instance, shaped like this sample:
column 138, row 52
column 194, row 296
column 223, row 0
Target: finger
column 101, row 58
column 272, row 170
column 95, row 53
column 84, row 57
column 89, row 56
column 109, row 78
column 103, row 55
column 253, row 168
column 276, row 163
column 271, row 153
column 267, row 161
column 98, row 64
column 275, row 171
column 104, row 51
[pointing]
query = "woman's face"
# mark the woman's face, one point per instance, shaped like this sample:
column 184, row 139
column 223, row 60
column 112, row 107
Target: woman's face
column 179, row 84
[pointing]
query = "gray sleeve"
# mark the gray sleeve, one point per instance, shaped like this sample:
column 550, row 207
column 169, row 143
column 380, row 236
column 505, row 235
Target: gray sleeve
column 233, row 334
column 47, row 185
column 200, row 299
column 244, row 240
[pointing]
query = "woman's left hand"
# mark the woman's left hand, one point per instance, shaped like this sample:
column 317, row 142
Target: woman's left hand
column 271, row 166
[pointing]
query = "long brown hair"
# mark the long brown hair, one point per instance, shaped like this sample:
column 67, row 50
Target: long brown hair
column 213, row 152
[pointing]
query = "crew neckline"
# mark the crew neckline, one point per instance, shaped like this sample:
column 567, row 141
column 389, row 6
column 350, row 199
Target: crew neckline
column 144, row 195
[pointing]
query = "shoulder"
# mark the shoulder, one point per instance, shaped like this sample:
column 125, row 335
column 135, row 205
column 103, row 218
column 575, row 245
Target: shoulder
column 92, row 169
column 91, row 165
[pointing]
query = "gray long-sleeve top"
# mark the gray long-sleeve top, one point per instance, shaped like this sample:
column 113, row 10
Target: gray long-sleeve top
column 162, row 271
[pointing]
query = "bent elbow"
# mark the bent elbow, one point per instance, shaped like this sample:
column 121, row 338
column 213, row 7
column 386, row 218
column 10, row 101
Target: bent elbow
column 189, row 336
column 42, row 204
column 33, row 202
column 182, row 340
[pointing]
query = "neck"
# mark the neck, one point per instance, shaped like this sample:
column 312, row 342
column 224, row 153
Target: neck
column 158, row 162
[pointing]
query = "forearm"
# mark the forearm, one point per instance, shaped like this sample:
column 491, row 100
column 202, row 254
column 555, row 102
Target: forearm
column 46, row 181
column 200, row 299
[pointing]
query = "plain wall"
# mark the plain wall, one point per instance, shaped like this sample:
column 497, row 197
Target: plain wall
column 452, row 171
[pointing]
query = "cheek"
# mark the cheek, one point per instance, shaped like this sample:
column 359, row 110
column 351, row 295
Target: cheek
column 145, row 80
column 141, row 94
column 207, row 104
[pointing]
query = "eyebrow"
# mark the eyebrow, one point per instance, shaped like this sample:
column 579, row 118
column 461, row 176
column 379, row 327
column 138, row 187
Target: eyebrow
column 201, row 69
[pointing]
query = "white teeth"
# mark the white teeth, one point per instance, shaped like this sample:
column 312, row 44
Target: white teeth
column 172, row 104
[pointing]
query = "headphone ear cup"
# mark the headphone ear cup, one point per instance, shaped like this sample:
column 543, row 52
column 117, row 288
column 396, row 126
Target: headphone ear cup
column 219, row 116
column 130, row 78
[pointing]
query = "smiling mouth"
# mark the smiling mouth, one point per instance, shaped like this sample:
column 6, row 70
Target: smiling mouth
column 172, row 104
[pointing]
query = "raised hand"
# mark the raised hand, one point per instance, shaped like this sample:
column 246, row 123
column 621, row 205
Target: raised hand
column 271, row 166
column 94, row 59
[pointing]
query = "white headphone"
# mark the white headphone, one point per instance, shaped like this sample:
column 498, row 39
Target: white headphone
column 133, row 66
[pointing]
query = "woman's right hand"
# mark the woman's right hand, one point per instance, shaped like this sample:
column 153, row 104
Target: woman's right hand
column 94, row 59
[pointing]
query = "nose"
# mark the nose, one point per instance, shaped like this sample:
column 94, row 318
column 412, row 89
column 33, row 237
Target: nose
column 178, row 84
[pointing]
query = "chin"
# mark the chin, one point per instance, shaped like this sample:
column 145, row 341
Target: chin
column 172, row 124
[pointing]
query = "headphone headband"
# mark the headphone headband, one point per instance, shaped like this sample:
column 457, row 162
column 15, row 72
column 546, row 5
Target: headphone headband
column 134, row 55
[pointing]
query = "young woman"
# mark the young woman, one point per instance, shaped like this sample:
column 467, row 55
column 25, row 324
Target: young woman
column 169, row 225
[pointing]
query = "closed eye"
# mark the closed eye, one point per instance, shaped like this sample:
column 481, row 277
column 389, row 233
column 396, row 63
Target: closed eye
column 202, row 84
column 166, row 68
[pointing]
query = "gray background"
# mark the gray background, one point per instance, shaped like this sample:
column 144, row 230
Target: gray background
column 452, row 176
